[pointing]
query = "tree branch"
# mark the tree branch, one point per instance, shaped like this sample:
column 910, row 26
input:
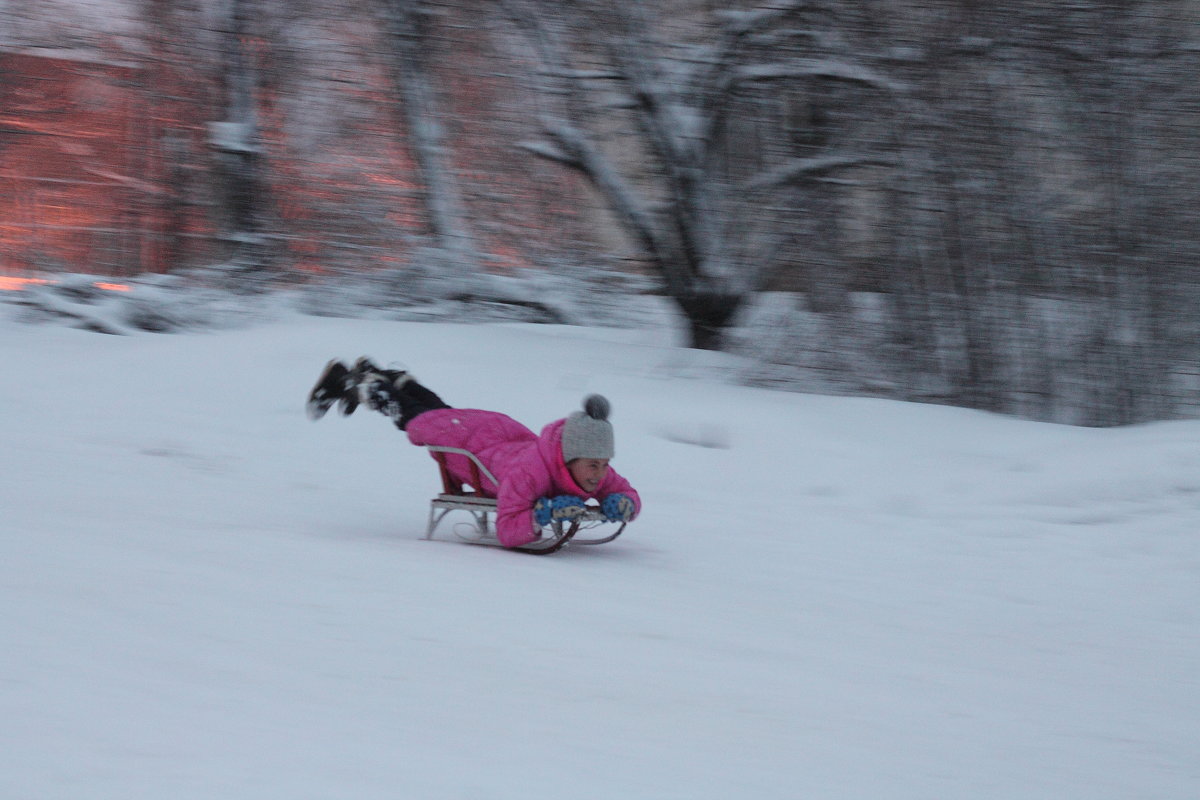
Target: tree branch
column 798, row 169
column 575, row 150
column 816, row 68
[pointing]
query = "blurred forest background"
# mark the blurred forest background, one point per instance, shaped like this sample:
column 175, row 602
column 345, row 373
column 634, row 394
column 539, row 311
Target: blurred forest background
column 993, row 205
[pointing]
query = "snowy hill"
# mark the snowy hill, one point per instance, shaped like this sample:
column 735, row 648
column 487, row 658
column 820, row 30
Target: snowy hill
column 208, row 596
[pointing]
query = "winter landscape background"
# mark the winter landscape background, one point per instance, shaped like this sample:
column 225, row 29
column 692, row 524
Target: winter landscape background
column 758, row 228
column 208, row 595
column 986, row 205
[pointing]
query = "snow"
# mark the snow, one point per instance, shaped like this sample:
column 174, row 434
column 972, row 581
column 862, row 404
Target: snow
column 207, row 595
column 819, row 67
column 232, row 137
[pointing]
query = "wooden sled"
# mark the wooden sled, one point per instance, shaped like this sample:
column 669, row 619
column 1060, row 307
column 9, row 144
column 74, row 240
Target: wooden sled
column 456, row 496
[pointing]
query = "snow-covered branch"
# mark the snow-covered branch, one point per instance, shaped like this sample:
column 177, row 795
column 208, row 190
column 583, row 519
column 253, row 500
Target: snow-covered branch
column 233, row 137
column 550, row 152
column 740, row 23
column 800, row 168
column 836, row 69
column 622, row 200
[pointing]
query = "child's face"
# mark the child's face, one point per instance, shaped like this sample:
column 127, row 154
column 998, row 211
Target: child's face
column 588, row 472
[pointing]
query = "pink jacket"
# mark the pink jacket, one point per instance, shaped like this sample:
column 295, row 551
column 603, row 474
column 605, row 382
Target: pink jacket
column 528, row 466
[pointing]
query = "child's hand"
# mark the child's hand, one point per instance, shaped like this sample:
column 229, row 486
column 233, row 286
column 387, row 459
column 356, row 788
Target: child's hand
column 563, row 507
column 618, row 507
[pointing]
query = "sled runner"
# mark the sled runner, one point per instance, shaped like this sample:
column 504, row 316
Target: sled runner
column 456, row 496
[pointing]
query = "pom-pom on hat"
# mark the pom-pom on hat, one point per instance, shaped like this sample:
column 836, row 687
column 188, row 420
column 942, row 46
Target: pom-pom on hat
column 588, row 433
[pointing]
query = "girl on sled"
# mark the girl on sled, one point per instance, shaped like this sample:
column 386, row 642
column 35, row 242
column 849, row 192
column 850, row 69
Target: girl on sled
column 542, row 477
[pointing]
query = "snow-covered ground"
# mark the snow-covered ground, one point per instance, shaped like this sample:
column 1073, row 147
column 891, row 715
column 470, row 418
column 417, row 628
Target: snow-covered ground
column 206, row 595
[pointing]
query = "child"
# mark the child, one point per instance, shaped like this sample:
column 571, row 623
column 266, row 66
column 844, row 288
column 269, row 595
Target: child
column 542, row 478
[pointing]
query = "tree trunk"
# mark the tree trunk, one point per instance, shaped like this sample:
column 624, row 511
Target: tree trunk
column 708, row 315
column 412, row 79
column 238, row 149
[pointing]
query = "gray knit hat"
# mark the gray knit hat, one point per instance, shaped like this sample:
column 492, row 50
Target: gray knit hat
column 588, row 433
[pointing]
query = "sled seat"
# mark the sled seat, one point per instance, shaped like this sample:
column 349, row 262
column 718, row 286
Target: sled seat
column 457, row 496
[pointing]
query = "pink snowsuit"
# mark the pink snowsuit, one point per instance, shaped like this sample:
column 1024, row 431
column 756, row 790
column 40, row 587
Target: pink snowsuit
column 528, row 466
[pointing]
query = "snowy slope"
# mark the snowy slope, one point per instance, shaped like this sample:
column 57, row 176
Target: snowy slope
column 206, row 595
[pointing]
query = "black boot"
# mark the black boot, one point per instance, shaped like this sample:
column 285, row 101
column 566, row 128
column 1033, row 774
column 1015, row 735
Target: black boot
column 378, row 390
column 364, row 366
column 397, row 394
column 335, row 385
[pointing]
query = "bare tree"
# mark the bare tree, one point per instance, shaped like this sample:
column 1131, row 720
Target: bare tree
column 712, row 239
column 237, row 145
column 1033, row 139
column 175, row 91
column 409, row 42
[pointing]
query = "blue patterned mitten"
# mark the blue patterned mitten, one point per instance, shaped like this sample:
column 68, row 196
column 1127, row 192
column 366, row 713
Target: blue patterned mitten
column 563, row 507
column 618, row 507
